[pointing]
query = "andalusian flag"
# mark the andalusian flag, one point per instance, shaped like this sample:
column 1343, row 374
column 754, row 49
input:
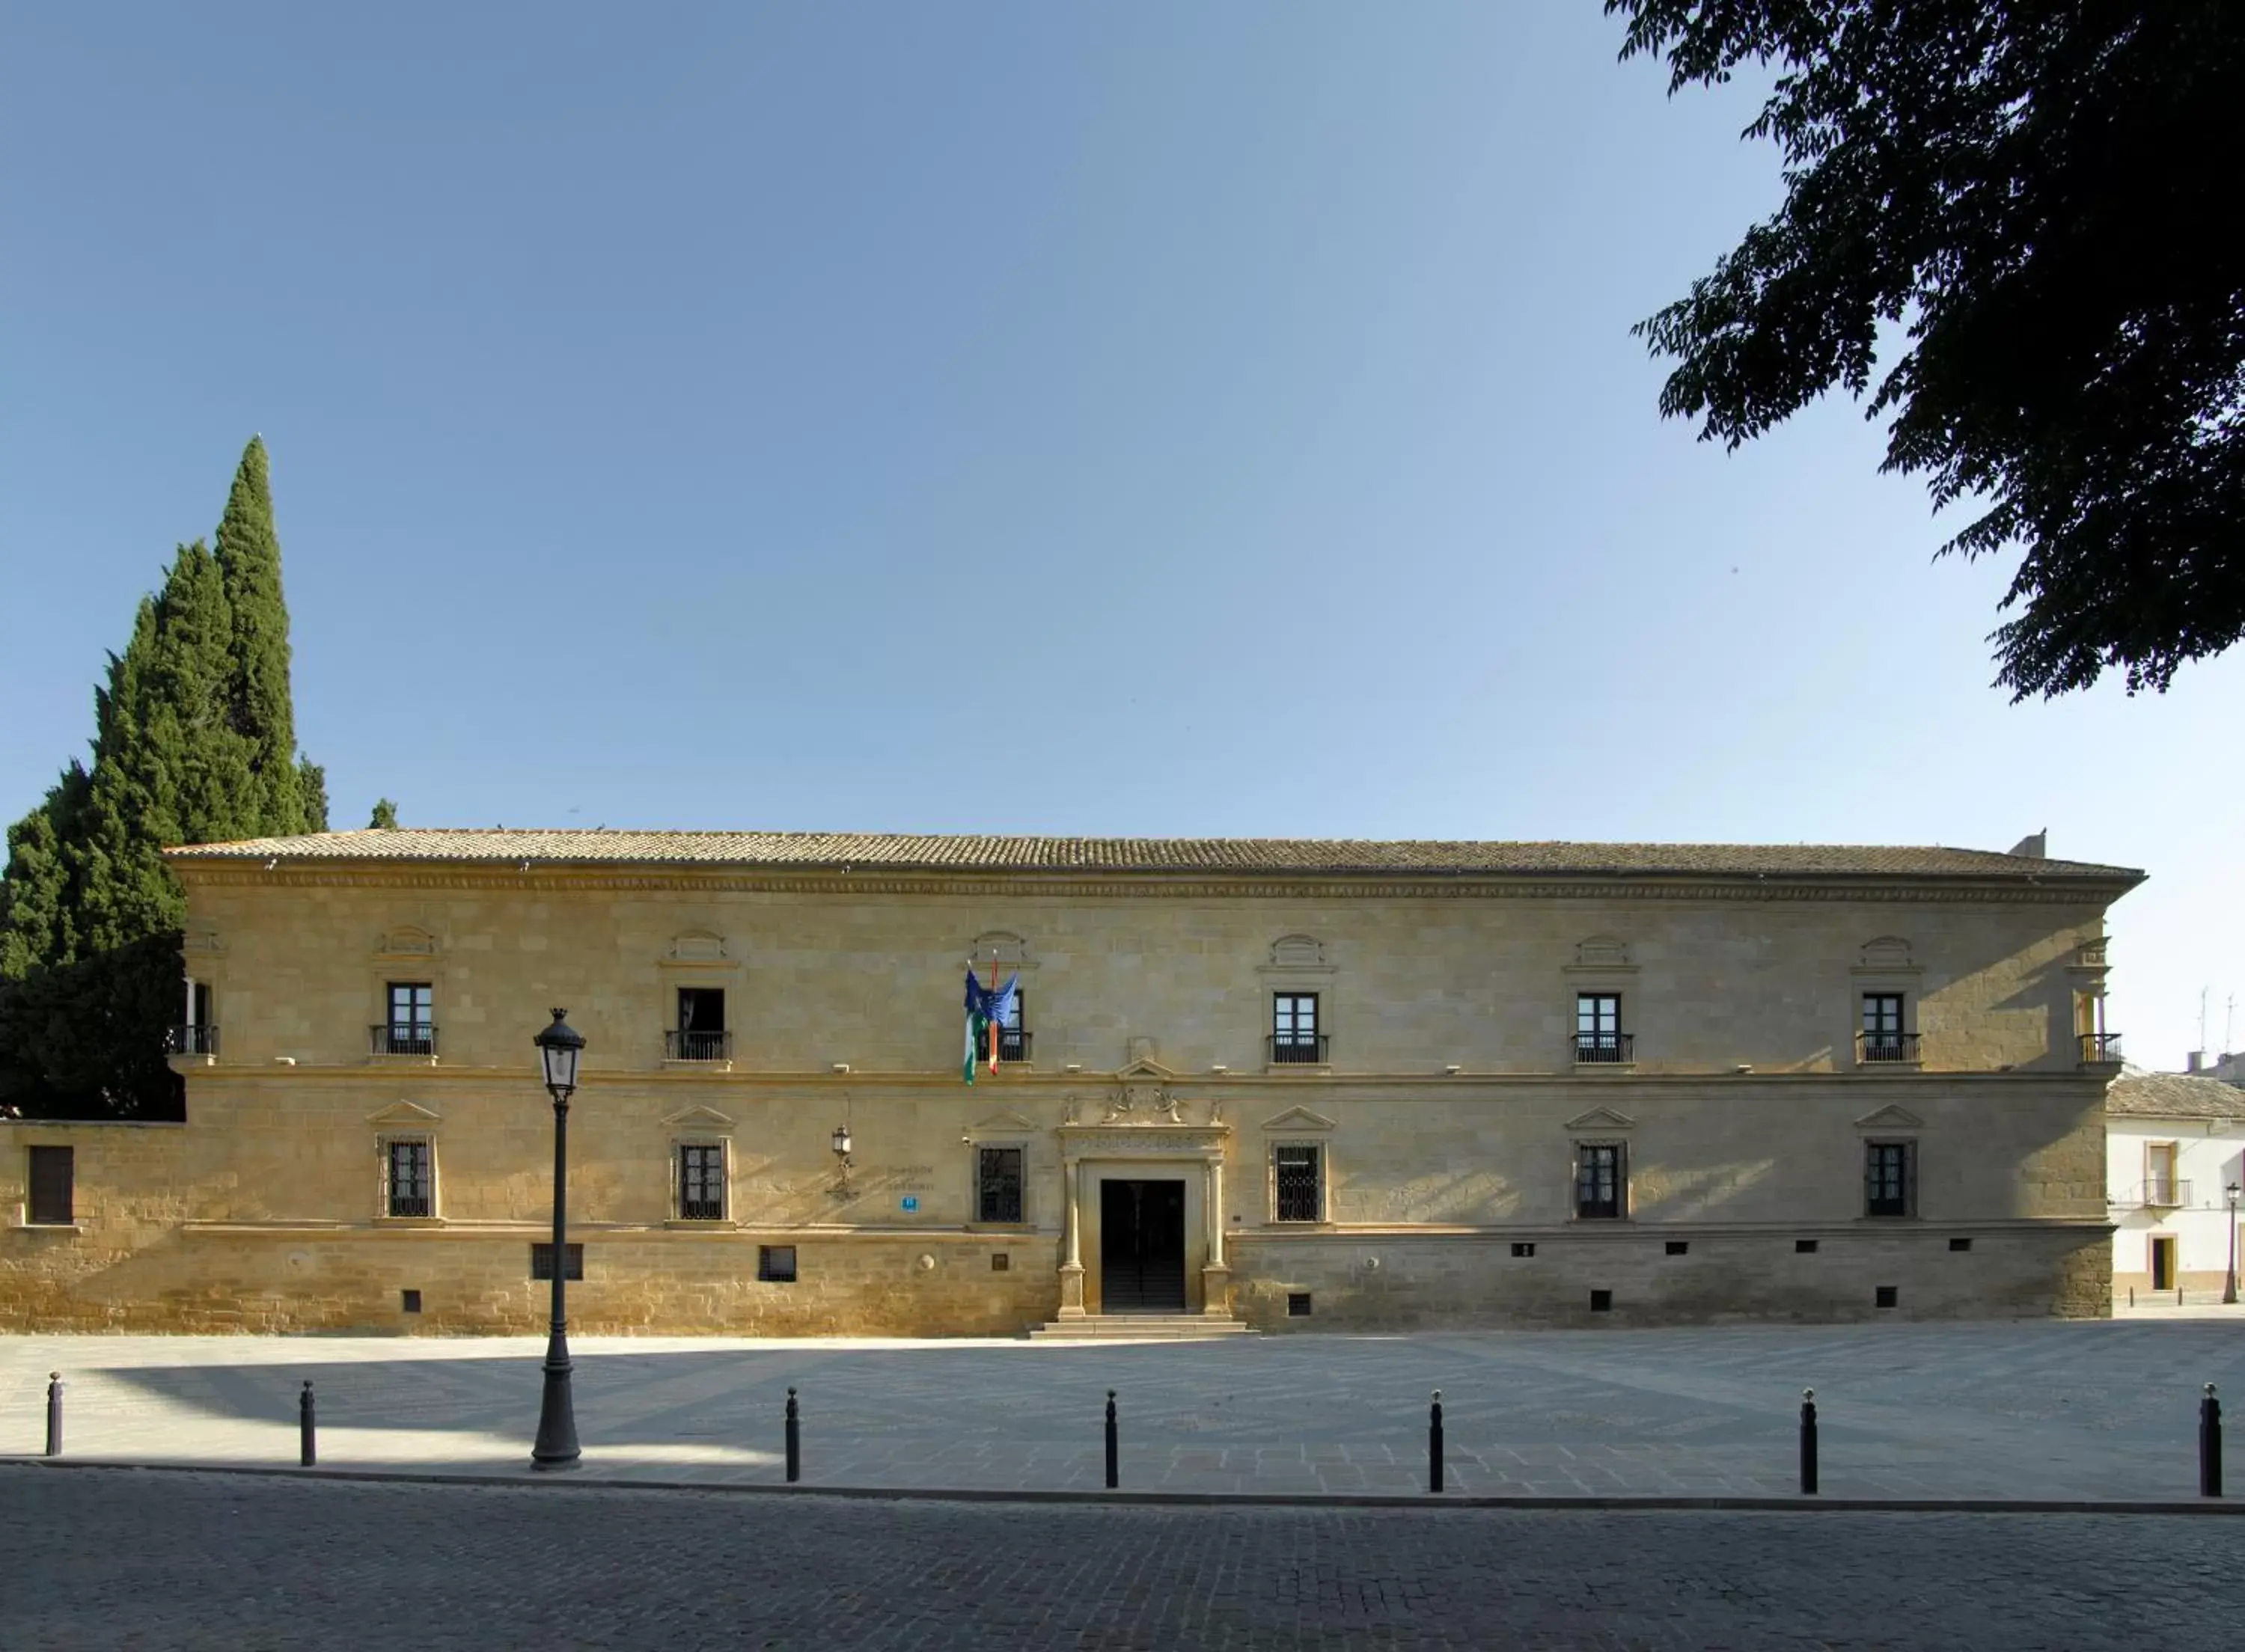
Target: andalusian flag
column 988, row 1009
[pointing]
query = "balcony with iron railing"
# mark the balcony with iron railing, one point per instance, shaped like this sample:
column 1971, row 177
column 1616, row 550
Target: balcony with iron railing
column 2101, row 1049
column 1605, row 1049
column 1013, row 1044
column 2161, row 1193
column 1298, row 1049
column 193, row 1039
column 679, row 1044
column 1886, row 1049
column 404, row 1037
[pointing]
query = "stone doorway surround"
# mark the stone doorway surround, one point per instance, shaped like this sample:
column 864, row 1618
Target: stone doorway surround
column 1137, row 1130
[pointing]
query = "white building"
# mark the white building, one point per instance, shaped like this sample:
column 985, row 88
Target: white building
column 2174, row 1146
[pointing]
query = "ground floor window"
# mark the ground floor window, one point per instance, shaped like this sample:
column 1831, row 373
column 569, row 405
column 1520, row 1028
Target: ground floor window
column 1889, row 1179
column 1298, row 1174
column 998, row 1184
column 1601, row 1180
column 53, row 1173
column 409, row 1177
column 701, row 1182
column 775, row 1265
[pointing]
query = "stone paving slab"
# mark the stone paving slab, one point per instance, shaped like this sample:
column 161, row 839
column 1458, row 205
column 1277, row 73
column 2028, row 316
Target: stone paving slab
column 100, row 1560
column 2091, row 1410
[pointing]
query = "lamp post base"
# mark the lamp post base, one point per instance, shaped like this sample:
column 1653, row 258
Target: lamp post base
column 556, row 1448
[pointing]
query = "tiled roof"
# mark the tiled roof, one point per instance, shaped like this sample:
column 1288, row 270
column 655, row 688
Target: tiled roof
column 896, row 851
column 2173, row 1095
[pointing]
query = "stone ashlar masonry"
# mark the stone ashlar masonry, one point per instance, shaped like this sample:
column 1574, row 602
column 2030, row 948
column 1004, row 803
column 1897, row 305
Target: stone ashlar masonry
column 1450, row 1112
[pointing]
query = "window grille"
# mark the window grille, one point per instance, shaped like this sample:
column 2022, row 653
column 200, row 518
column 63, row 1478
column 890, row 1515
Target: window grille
column 541, row 1260
column 1299, row 1174
column 998, row 1184
column 1598, row 1179
column 53, row 1173
column 775, row 1265
column 410, row 1168
column 702, row 1183
column 1889, row 1179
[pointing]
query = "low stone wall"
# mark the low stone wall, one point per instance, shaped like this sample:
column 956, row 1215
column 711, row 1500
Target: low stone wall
column 1359, row 1282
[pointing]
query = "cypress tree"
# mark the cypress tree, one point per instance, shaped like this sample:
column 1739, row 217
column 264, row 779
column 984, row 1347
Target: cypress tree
column 385, row 816
column 249, row 549
column 194, row 742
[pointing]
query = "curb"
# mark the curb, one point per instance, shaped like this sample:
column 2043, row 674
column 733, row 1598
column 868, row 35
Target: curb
column 1650, row 1503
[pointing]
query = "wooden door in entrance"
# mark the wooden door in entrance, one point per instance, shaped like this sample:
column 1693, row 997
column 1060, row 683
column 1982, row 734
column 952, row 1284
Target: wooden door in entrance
column 1142, row 1247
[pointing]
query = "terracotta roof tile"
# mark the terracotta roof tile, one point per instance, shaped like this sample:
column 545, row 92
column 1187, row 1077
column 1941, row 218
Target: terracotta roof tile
column 2173, row 1095
column 899, row 851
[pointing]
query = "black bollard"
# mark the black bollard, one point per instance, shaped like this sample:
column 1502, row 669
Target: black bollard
column 54, row 1413
column 794, row 1440
column 1114, row 1451
column 2209, row 1445
column 1808, row 1442
column 308, row 1428
column 1435, row 1444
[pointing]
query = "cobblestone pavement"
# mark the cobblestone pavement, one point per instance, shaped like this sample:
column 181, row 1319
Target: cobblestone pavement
column 2101, row 1409
column 155, row 1562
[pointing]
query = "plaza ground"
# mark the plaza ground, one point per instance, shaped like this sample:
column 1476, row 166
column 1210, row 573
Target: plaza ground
column 100, row 1559
column 2083, row 1409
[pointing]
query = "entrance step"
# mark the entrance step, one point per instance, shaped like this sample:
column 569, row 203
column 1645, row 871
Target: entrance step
column 1166, row 1327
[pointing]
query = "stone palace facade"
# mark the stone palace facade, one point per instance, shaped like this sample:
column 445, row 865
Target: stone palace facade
column 1295, row 1084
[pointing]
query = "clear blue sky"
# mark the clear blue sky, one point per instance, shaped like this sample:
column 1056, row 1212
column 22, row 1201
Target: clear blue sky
column 1168, row 418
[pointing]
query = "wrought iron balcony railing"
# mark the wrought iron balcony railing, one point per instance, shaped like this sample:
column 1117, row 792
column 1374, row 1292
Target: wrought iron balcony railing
column 1874, row 1048
column 404, row 1037
column 194, row 1038
column 2100, row 1046
column 1013, row 1044
column 1605, row 1048
column 1298, row 1049
column 679, row 1045
column 2165, row 1193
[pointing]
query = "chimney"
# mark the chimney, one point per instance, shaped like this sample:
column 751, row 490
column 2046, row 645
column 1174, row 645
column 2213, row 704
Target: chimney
column 2194, row 1062
column 2035, row 847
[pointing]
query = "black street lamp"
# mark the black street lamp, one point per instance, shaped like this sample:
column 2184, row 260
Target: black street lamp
column 2230, row 1285
column 841, row 1146
column 559, row 1046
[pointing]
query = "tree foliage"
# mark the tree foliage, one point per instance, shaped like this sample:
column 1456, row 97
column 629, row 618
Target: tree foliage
column 2042, row 195
column 184, row 752
column 385, row 816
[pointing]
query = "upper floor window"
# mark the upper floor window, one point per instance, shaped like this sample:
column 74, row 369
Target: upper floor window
column 1601, row 1179
column 411, row 1028
column 53, row 1171
column 701, row 1034
column 1013, row 1033
column 1889, row 1179
column 1598, row 1036
column 1884, row 1037
column 701, row 1182
column 1298, row 1181
column 1294, row 1033
column 409, row 1178
column 998, row 1184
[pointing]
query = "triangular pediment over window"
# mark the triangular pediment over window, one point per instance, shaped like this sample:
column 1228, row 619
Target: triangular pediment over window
column 1890, row 1118
column 1298, row 1118
column 1602, row 1118
column 402, row 1114
column 1144, row 1068
column 1002, row 1121
column 699, row 1118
